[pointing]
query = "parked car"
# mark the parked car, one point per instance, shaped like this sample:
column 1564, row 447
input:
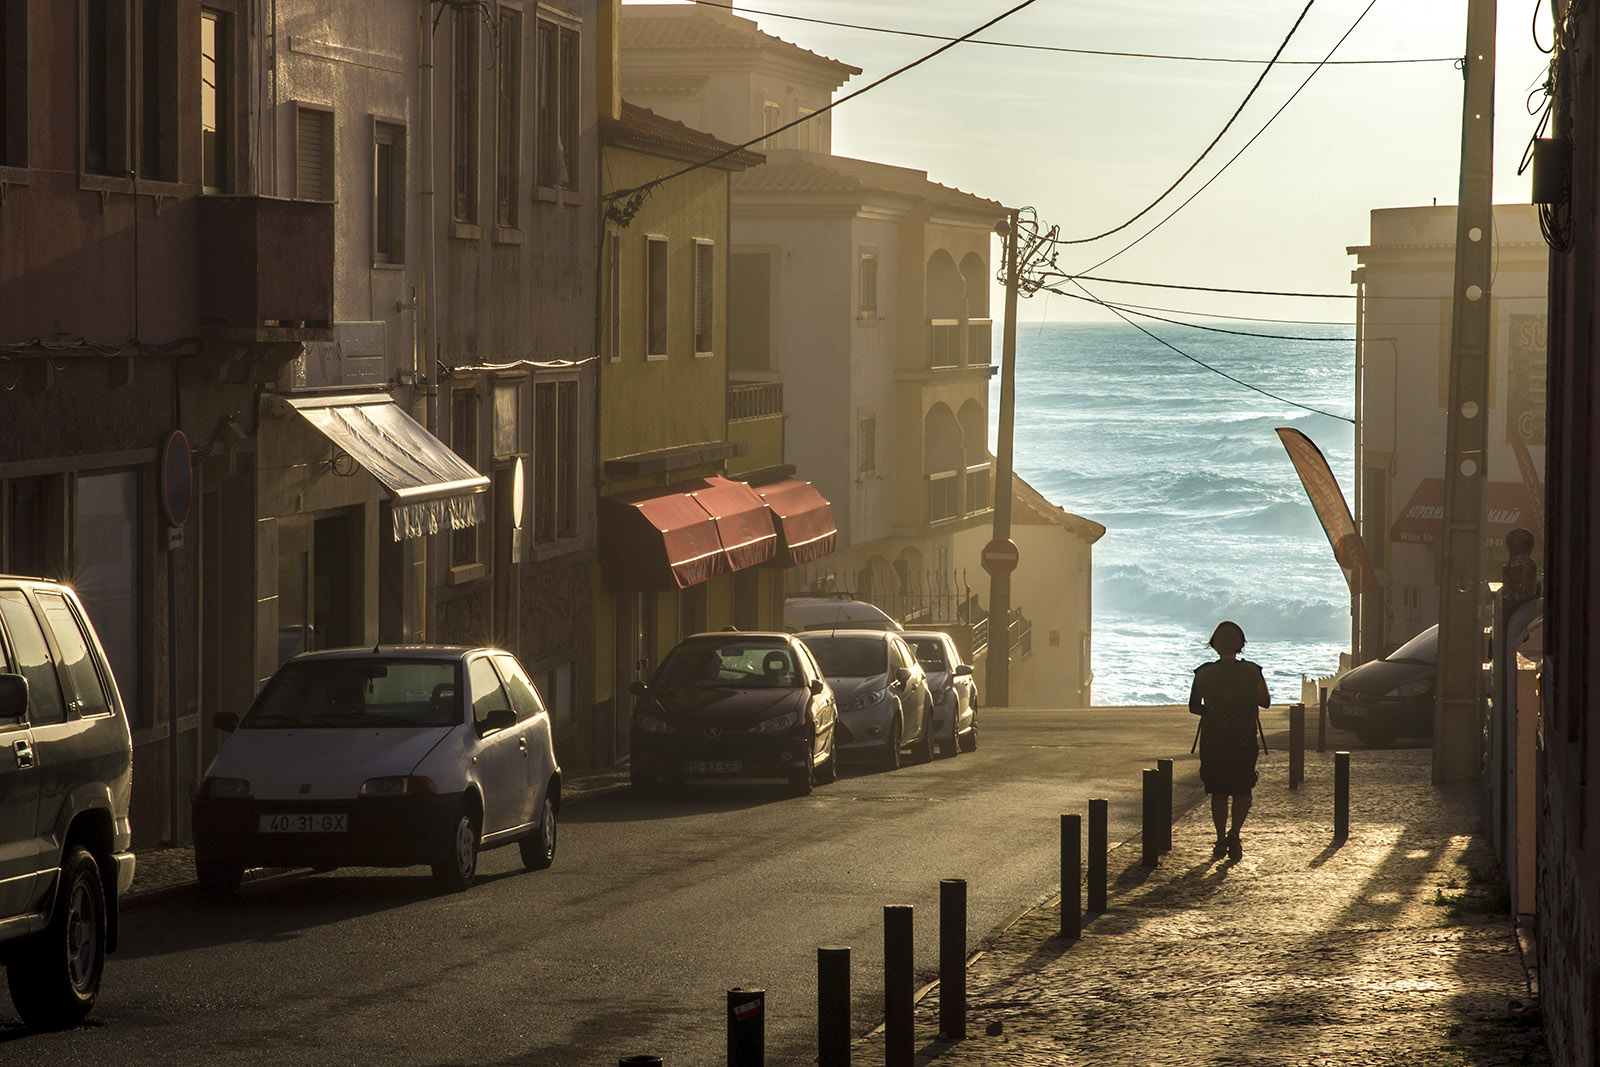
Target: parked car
column 955, row 694
column 382, row 757
column 834, row 613
column 884, row 701
column 1390, row 697
column 736, row 704
column 66, row 778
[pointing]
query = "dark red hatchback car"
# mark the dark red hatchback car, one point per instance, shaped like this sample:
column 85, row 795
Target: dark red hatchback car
column 735, row 705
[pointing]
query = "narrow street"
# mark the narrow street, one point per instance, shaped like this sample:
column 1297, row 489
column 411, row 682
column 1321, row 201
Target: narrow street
column 653, row 910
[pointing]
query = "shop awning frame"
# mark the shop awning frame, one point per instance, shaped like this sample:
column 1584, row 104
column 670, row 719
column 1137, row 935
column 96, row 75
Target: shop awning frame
column 803, row 518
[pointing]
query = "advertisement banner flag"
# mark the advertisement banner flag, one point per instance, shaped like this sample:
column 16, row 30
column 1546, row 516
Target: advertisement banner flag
column 1327, row 499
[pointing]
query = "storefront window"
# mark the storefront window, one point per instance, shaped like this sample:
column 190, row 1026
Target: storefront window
column 106, row 575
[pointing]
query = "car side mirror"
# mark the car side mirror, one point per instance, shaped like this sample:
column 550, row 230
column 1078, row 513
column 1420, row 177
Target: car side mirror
column 963, row 670
column 226, row 721
column 498, row 719
column 902, row 675
column 13, row 696
column 638, row 688
column 816, row 686
column 642, row 666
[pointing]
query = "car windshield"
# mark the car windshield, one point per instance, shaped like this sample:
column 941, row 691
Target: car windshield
column 930, row 652
column 1423, row 648
column 847, row 657
column 730, row 665
column 335, row 694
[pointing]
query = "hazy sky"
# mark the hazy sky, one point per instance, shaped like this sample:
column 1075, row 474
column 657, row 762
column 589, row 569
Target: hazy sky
column 1089, row 140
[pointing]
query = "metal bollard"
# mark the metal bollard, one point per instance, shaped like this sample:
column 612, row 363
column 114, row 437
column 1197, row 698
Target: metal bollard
column 1297, row 745
column 1071, row 876
column 1341, row 796
column 953, row 959
column 1097, row 855
column 1164, row 804
column 639, row 1061
column 833, row 1006
column 747, row 1022
column 1152, row 790
column 1322, row 718
column 898, row 1006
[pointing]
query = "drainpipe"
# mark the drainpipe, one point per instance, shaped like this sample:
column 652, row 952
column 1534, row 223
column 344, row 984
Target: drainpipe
column 428, row 301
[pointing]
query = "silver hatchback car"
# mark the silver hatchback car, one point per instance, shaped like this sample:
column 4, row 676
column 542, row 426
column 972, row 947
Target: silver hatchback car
column 884, row 700
column 955, row 695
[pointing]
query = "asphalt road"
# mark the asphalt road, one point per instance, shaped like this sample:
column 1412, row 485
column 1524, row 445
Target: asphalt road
column 628, row 945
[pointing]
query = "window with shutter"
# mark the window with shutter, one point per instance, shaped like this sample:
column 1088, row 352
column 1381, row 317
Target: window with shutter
column 704, row 292
column 508, row 118
column 867, row 446
column 869, row 286
column 809, row 132
column 464, row 123
column 313, row 154
column 770, row 120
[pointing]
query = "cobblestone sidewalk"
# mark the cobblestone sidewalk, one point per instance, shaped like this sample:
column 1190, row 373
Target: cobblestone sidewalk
column 1390, row 950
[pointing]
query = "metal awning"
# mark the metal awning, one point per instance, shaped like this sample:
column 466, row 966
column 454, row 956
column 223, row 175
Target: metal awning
column 804, row 520
column 1421, row 521
column 432, row 488
column 744, row 525
column 681, row 535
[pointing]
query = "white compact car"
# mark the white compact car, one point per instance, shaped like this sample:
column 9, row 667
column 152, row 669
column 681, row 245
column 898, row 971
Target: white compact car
column 382, row 757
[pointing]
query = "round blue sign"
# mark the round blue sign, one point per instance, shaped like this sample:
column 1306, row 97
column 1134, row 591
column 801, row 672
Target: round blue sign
column 177, row 478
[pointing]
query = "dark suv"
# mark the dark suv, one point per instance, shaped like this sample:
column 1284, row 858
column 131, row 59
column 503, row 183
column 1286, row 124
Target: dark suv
column 65, row 782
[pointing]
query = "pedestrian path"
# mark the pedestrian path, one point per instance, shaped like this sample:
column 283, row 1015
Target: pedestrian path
column 1392, row 948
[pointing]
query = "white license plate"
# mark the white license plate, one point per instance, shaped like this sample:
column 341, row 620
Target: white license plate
column 715, row 766
column 304, row 824
column 1356, row 713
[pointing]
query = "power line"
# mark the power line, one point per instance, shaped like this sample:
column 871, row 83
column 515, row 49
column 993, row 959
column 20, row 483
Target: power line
column 1212, row 288
column 1108, row 305
column 1063, row 48
column 1202, row 363
column 1207, row 151
column 635, row 196
column 1245, row 147
column 1219, row 315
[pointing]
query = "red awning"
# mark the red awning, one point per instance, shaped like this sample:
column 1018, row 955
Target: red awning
column 804, row 520
column 743, row 522
column 1421, row 521
column 658, row 539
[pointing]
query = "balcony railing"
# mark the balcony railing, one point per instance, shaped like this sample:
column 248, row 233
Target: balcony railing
column 944, row 342
column 980, row 342
column 944, row 496
column 265, row 264
column 755, row 400
column 977, row 488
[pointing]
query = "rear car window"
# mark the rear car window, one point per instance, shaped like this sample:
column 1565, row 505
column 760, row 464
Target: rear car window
column 845, row 657
column 356, row 693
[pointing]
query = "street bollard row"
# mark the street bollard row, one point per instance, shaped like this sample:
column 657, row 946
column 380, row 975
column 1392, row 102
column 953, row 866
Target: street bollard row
column 1297, row 745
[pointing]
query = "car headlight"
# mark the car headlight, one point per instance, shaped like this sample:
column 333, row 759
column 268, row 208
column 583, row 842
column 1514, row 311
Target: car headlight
column 785, row 721
column 399, row 785
column 650, row 724
column 865, row 700
column 225, row 787
column 1412, row 689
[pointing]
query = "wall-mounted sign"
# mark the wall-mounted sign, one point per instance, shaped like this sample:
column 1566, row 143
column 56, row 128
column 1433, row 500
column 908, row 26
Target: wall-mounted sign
column 177, row 478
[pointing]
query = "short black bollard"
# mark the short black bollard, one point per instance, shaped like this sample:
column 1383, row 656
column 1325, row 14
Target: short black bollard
column 1148, row 833
column 898, row 1006
column 1341, row 796
column 953, row 959
column 639, row 1061
column 833, row 1006
column 1297, row 745
column 1322, row 718
column 747, row 1022
column 1164, row 804
column 1097, row 855
column 1071, row 876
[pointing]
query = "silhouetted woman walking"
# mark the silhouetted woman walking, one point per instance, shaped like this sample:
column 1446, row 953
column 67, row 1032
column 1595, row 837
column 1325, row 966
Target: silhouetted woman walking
column 1225, row 695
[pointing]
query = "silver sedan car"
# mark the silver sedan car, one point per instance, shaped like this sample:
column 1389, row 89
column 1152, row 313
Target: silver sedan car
column 955, row 694
column 884, row 700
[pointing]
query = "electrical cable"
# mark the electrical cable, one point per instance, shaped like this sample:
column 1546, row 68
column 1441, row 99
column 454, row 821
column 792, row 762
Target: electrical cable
column 1109, row 306
column 720, row 4
column 636, row 195
column 1202, row 363
column 1234, row 158
column 1218, row 289
column 1207, row 151
column 1230, row 318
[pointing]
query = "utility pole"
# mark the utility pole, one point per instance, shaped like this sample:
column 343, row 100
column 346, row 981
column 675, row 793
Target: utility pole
column 1461, row 639
column 997, row 681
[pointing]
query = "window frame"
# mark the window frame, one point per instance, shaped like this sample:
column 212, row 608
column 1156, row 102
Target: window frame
column 14, row 47
column 654, row 303
column 558, row 520
column 865, row 311
column 466, row 421
column 705, row 297
column 222, row 82
column 305, row 110
column 466, row 112
column 508, row 116
column 393, row 134
column 614, row 295
column 558, row 100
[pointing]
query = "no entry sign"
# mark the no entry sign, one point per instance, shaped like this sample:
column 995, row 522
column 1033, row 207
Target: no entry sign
column 1000, row 556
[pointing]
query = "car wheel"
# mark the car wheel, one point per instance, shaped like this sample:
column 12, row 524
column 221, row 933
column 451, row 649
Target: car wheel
column 801, row 782
column 830, row 769
column 922, row 751
column 219, row 876
column 969, row 740
column 458, row 862
column 539, row 851
column 953, row 746
column 890, row 760
column 55, row 977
